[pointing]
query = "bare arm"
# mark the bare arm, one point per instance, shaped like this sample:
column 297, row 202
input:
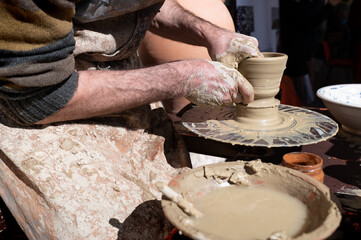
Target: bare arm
column 105, row 92
column 175, row 22
column 202, row 82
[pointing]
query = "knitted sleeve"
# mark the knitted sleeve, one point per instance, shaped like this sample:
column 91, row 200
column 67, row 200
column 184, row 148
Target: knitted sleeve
column 37, row 75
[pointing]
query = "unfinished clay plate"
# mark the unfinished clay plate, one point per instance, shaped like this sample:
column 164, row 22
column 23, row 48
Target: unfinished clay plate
column 298, row 126
column 344, row 103
column 322, row 215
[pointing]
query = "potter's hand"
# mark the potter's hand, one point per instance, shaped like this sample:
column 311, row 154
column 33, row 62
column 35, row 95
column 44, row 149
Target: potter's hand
column 216, row 85
column 232, row 48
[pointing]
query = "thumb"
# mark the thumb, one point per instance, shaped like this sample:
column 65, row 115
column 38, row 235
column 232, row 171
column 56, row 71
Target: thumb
column 229, row 60
column 245, row 89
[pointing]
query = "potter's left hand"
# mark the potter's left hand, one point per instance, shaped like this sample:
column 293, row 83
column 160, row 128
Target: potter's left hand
column 231, row 48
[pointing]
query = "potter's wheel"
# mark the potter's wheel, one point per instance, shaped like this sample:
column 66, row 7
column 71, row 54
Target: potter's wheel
column 298, row 126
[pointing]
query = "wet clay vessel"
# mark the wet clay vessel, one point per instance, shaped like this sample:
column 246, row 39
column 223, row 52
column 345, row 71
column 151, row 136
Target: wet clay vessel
column 265, row 75
column 264, row 122
column 307, row 163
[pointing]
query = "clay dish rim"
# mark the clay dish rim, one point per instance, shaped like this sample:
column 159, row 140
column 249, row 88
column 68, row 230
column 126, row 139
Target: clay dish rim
column 326, row 98
column 179, row 219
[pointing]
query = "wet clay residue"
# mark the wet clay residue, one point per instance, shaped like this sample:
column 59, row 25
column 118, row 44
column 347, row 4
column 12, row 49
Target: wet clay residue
column 250, row 212
column 255, row 198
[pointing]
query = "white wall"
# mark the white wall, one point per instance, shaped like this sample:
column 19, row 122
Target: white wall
column 267, row 37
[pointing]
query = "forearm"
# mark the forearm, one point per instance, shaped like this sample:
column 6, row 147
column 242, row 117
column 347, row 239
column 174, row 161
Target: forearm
column 203, row 82
column 105, row 92
column 175, row 22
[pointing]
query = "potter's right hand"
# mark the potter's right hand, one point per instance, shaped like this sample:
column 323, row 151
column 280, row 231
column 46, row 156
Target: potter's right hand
column 214, row 84
column 232, row 48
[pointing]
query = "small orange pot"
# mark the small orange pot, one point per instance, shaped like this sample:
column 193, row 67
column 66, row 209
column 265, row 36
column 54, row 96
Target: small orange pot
column 308, row 163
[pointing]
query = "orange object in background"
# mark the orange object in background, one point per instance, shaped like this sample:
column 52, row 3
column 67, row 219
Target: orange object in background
column 288, row 92
column 307, row 163
column 155, row 49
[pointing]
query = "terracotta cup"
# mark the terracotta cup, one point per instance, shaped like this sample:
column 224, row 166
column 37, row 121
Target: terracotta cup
column 265, row 75
column 308, row 163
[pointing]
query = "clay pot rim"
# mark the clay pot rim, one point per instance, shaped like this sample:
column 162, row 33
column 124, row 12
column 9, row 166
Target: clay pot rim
column 305, row 167
column 268, row 56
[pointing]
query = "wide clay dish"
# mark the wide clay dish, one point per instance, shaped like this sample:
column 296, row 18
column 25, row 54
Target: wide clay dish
column 344, row 103
column 323, row 213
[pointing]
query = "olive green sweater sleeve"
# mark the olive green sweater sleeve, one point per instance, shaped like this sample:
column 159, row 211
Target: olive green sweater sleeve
column 37, row 75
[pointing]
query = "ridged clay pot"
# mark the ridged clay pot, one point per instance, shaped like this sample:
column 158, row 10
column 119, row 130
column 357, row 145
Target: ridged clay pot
column 265, row 75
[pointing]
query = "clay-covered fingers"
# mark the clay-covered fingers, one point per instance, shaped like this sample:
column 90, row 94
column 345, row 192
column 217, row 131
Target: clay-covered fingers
column 244, row 46
column 240, row 47
column 218, row 85
column 245, row 93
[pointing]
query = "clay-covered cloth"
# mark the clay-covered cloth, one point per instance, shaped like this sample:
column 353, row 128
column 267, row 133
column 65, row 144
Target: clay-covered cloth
column 85, row 180
column 94, row 179
column 111, row 39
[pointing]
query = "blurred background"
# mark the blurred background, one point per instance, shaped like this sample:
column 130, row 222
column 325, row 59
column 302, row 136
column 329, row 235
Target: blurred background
column 321, row 38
